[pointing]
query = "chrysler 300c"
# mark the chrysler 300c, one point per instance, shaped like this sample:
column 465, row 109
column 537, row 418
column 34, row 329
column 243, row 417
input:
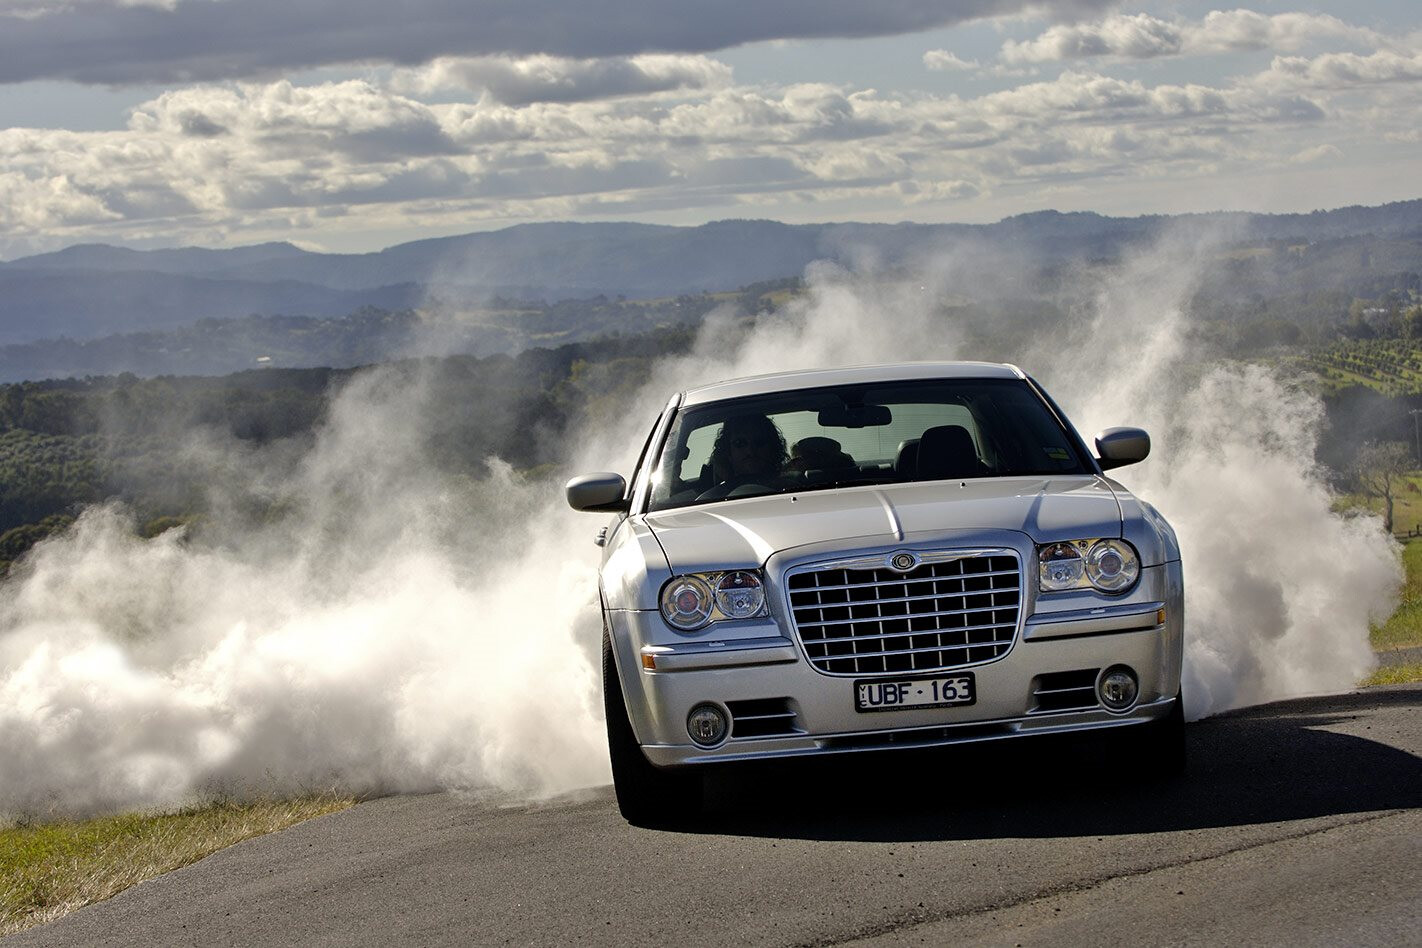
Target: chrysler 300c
column 877, row 557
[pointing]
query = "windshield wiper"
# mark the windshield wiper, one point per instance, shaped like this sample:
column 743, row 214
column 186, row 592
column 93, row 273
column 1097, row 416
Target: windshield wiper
column 847, row 482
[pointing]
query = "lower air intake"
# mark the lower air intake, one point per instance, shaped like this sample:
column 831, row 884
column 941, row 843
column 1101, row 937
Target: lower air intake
column 762, row 717
column 1065, row 691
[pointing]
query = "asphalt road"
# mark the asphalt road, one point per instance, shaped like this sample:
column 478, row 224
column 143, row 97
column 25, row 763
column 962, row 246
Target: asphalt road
column 1299, row 823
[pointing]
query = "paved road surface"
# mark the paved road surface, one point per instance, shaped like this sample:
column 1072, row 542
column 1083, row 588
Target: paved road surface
column 1300, row 823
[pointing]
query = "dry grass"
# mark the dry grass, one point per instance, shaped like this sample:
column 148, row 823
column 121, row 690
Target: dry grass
column 50, row 870
column 1403, row 629
column 1395, row 674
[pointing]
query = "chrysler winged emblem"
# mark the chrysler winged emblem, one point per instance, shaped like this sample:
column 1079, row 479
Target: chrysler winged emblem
column 903, row 562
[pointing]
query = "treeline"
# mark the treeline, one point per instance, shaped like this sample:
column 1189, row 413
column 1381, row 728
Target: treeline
column 370, row 334
column 72, row 442
column 1285, row 293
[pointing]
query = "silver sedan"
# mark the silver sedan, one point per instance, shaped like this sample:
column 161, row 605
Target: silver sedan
column 877, row 557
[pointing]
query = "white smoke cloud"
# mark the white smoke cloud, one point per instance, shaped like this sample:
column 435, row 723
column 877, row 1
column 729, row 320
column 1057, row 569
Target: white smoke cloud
column 401, row 629
column 1279, row 588
column 397, row 630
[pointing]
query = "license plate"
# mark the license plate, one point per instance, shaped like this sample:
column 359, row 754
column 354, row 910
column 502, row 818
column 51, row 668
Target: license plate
column 914, row 693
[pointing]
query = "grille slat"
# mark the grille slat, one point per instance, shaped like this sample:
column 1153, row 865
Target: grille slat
column 939, row 615
column 901, row 581
column 917, row 615
column 883, row 653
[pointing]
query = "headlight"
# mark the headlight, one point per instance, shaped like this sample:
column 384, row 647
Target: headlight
column 1109, row 566
column 686, row 603
column 695, row 600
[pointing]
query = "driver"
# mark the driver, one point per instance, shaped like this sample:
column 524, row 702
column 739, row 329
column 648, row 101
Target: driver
column 748, row 447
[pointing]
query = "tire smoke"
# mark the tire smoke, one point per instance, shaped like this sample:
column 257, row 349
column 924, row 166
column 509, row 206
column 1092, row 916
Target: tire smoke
column 398, row 629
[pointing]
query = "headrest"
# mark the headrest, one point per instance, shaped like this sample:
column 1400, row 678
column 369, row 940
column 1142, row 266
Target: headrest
column 818, row 453
column 947, row 451
column 906, row 458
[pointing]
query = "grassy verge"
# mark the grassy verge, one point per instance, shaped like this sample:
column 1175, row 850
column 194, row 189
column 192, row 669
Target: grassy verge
column 50, row 870
column 1403, row 629
column 1406, row 506
column 1395, row 674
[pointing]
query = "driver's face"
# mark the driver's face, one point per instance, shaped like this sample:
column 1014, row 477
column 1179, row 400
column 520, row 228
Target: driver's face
column 752, row 450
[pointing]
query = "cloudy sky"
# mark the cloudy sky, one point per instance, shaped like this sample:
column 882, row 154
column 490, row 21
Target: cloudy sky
column 353, row 124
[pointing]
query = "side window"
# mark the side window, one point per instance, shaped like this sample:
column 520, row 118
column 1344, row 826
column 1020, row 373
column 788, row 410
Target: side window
column 642, row 472
column 698, row 452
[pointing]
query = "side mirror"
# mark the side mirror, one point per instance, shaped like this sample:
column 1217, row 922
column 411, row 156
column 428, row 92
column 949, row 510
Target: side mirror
column 1118, row 447
column 597, row 492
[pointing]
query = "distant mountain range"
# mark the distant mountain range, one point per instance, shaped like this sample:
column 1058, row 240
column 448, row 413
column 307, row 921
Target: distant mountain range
column 91, row 291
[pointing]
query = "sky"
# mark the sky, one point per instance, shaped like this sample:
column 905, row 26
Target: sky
column 352, row 125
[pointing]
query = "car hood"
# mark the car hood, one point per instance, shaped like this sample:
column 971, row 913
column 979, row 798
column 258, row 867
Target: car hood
column 744, row 532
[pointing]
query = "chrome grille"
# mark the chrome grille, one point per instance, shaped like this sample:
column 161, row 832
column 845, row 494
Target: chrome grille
column 861, row 618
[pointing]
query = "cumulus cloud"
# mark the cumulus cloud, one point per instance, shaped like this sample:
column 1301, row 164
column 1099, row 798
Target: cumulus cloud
column 1343, row 70
column 105, row 42
column 940, row 60
column 1245, row 29
column 1095, row 98
column 558, row 79
column 31, row 9
column 237, row 158
column 1142, row 36
column 1325, row 152
column 1139, row 37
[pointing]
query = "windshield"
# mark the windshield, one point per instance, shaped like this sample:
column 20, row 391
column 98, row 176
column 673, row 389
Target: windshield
column 882, row 433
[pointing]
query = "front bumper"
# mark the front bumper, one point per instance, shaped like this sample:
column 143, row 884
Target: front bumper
column 762, row 661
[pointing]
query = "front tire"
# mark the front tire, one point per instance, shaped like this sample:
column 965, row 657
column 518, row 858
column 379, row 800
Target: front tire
column 1161, row 744
column 646, row 795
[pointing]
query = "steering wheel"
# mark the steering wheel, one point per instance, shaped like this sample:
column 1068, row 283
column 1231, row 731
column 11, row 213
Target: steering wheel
column 732, row 485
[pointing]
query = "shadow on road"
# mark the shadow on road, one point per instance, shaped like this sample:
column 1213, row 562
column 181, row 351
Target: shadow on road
column 1261, row 765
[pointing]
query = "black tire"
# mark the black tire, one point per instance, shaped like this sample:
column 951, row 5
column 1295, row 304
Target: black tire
column 646, row 795
column 1161, row 744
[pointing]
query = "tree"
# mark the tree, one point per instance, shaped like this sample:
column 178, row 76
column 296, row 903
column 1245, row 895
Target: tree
column 1380, row 469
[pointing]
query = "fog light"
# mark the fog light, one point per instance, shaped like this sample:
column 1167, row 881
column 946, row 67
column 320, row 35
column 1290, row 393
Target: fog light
column 1118, row 688
column 706, row 724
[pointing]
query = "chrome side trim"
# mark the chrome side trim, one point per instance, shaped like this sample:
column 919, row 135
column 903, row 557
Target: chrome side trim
column 1134, row 617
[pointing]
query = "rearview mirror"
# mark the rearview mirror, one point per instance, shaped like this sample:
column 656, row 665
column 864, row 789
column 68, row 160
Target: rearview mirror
column 602, row 491
column 855, row 416
column 1118, row 447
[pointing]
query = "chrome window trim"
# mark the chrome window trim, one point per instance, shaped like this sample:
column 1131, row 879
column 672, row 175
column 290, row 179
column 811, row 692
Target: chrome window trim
column 640, row 491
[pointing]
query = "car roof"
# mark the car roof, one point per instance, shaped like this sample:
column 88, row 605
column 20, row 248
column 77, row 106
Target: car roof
column 850, row 375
